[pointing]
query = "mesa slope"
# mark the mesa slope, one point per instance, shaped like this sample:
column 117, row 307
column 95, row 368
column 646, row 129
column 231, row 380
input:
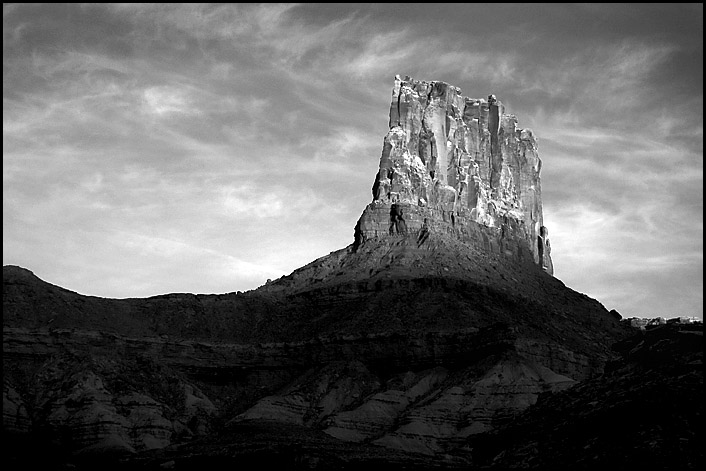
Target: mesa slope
column 406, row 346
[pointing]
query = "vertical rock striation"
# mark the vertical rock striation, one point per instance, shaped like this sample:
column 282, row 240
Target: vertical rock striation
column 459, row 165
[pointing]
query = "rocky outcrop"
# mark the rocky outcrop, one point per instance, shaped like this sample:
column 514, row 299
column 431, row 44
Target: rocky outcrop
column 451, row 163
column 15, row 416
column 316, row 394
column 645, row 412
column 473, row 405
column 94, row 404
column 643, row 323
column 380, row 412
column 95, row 419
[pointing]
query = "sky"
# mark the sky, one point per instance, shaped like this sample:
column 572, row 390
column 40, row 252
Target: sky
column 161, row 148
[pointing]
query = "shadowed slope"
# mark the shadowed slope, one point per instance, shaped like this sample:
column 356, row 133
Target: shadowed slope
column 393, row 284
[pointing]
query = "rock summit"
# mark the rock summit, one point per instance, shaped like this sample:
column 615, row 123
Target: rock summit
column 458, row 165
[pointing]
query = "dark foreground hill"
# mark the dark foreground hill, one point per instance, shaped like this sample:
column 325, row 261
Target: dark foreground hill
column 418, row 356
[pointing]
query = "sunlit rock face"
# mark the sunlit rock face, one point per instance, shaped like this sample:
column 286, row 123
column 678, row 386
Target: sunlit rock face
column 451, row 163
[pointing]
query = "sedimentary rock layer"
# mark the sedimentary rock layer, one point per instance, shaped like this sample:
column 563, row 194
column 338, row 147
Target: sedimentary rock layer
column 422, row 393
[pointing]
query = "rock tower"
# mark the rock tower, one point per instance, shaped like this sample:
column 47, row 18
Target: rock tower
column 458, row 165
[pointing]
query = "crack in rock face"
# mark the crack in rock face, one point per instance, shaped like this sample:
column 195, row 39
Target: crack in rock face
column 450, row 160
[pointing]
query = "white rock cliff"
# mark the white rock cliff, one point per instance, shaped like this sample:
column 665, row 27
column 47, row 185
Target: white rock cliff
column 457, row 164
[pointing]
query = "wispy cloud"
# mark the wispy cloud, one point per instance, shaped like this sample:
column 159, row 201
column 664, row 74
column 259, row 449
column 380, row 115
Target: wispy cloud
column 608, row 252
column 601, row 79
